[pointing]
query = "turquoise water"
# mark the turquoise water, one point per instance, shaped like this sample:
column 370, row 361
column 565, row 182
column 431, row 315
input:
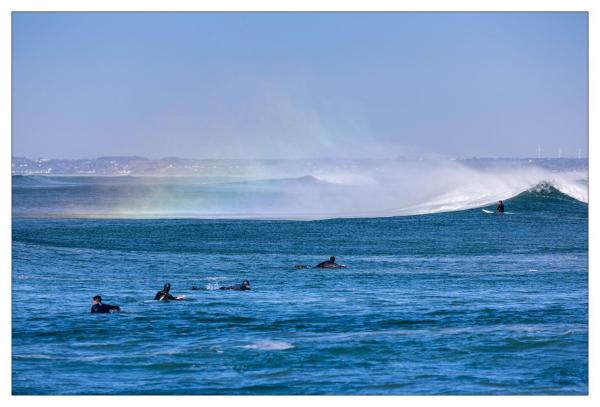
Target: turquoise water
column 449, row 303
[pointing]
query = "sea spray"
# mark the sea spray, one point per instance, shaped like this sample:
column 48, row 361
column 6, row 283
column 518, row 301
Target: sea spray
column 329, row 190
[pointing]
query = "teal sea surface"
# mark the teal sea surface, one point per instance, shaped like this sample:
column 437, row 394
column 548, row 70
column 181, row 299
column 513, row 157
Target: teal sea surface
column 459, row 302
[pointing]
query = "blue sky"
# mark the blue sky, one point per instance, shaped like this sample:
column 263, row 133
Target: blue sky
column 294, row 85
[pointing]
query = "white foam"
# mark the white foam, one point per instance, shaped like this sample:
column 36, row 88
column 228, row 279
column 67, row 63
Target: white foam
column 269, row 345
column 34, row 356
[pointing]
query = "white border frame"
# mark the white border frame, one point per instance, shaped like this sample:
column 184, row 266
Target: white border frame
column 8, row 6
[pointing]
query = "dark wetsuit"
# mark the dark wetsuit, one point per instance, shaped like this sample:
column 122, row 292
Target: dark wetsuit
column 328, row 264
column 163, row 296
column 104, row 308
column 237, row 287
column 500, row 208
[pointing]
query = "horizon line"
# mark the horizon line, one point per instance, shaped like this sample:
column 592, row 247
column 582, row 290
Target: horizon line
column 295, row 159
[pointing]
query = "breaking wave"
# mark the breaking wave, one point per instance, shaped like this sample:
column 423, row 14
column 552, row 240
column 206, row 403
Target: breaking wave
column 380, row 190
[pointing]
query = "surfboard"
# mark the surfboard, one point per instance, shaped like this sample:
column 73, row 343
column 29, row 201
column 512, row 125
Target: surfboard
column 493, row 212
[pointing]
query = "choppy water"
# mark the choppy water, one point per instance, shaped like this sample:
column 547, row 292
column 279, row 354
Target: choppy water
column 449, row 303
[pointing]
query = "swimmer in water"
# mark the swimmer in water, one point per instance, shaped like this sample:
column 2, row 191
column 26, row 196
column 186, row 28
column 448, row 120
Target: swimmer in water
column 164, row 295
column 245, row 286
column 99, row 308
column 330, row 264
column 500, row 207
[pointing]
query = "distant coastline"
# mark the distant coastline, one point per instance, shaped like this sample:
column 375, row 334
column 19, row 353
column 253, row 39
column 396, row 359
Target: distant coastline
column 173, row 166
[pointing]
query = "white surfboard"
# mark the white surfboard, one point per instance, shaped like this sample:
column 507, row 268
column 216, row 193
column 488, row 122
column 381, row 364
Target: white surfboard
column 493, row 212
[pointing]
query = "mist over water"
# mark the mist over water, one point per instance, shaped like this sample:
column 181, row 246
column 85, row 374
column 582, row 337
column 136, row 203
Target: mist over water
column 316, row 189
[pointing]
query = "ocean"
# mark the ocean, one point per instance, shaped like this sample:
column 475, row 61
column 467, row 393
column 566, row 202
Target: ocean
column 449, row 300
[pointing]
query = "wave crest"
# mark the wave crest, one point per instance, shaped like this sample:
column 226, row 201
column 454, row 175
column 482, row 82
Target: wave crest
column 577, row 190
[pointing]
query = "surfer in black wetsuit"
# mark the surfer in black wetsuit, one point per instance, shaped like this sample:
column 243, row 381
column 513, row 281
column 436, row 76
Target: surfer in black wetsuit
column 99, row 308
column 500, row 207
column 164, row 295
column 245, row 286
column 329, row 264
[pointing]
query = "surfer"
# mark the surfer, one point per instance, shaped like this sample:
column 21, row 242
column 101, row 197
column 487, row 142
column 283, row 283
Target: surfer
column 329, row 264
column 245, row 286
column 99, row 308
column 500, row 207
column 164, row 295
